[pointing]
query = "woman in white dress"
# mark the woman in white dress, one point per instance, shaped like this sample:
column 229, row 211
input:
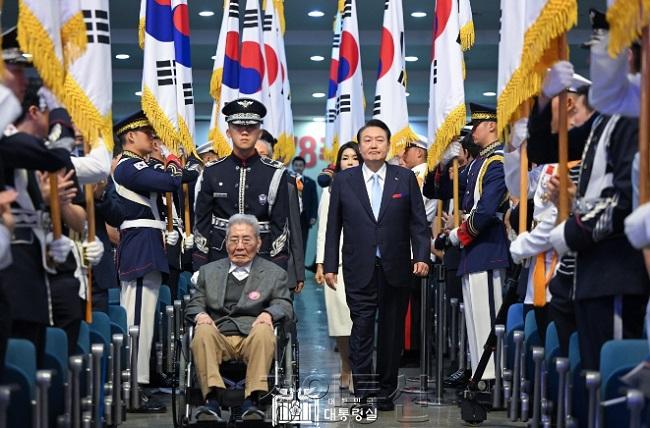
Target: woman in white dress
column 338, row 314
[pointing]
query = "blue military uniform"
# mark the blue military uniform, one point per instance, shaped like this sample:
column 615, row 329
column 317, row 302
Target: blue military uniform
column 484, row 247
column 256, row 186
column 141, row 254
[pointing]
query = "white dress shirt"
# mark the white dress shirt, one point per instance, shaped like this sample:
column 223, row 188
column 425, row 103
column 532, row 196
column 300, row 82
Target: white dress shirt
column 367, row 178
column 240, row 272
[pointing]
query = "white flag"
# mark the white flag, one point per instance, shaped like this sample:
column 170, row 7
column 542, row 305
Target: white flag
column 184, row 84
column 466, row 24
column 274, row 120
column 224, row 84
column 446, row 90
column 350, row 99
column 39, row 33
column 88, row 89
column 159, row 74
column 544, row 21
column 253, row 82
column 331, row 115
column 390, row 94
column 73, row 31
column 286, row 144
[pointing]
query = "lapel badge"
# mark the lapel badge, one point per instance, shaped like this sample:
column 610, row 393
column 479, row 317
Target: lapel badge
column 262, row 199
column 254, row 295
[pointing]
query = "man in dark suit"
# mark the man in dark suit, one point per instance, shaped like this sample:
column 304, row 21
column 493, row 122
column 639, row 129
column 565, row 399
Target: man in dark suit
column 309, row 212
column 379, row 208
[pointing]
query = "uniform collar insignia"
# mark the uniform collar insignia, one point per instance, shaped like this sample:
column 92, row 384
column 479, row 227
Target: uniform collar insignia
column 130, row 154
column 490, row 149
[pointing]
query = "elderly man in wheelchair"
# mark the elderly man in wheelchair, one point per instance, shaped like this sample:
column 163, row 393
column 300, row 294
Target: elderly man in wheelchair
column 236, row 304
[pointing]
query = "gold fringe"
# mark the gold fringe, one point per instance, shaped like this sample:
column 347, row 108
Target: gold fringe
column 34, row 38
column 141, row 30
column 467, row 35
column 215, row 85
column 285, row 148
column 341, row 6
column 279, row 8
column 540, row 51
column 2, row 63
column 219, row 143
column 626, row 20
column 400, row 139
column 165, row 130
column 93, row 125
column 451, row 127
column 73, row 38
column 186, row 141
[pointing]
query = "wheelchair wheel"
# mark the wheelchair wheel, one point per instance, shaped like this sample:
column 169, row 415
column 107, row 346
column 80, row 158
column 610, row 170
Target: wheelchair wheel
column 179, row 388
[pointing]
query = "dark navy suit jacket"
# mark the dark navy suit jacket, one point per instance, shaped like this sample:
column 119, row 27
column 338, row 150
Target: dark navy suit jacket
column 402, row 222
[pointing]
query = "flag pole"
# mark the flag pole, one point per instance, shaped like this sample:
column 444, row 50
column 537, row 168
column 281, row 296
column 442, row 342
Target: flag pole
column 186, row 203
column 90, row 214
column 170, row 211
column 523, row 188
column 644, row 126
column 55, row 206
column 563, row 143
column 456, row 195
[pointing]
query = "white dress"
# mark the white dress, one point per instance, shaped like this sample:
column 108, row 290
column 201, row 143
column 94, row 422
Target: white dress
column 338, row 313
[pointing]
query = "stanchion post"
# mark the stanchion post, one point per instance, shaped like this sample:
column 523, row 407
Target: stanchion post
column 134, row 334
column 593, row 386
column 440, row 333
column 453, row 304
column 562, row 367
column 462, row 341
column 538, row 357
column 518, row 338
column 499, row 331
column 43, row 382
column 118, row 340
column 76, row 365
column 635, row 402
column 425, row 319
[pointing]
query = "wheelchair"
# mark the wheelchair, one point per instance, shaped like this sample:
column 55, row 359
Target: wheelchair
column 186, row 393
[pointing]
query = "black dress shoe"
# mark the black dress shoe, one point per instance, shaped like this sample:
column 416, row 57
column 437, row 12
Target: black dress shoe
column 457, row 379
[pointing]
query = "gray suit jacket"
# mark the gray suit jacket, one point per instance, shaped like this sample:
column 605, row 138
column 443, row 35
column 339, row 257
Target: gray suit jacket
column 265, row 291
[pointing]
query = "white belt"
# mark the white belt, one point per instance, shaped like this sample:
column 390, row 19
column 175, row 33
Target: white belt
column 153, row 224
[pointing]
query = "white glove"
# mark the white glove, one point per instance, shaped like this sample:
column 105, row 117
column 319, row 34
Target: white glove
column 58, row 249
column 171, row 238
column 637, row 227
column 519, row 133
column 453, row 150
column 558, row 78
column 188, row 242
column 195, row 278
column 164, row 151
column 93, row 251
column 453, row 238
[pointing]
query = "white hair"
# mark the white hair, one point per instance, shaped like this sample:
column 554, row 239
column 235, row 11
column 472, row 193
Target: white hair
column 247, row 219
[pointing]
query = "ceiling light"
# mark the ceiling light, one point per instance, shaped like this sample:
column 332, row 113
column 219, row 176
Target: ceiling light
column 489, row 94
column 410, row 58
column 138, row 93
column 206, row 13
column 214, row 57
column 317, row 58
column 408, row 94
column 316, row 14
column 318, row 94
column 27, row 55
column 318, row 119
column 418, row 14
column 122, row 56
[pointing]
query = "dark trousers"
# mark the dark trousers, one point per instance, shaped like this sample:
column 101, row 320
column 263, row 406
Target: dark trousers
column 5, row 326
column 595, row 322
column 562, row 313
column 68, row 308
column 35, row 333
column 377, row 299
column 304, row 228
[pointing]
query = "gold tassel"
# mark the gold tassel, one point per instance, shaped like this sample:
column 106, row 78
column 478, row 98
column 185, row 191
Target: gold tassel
column 185, row 137
column 95, row 127
column 141, row 25
column 34, row 38
column 626, row 20
column 539, row 52
column 451, row 127
column 467, row 36
column 73, row 38
column 400, row 139
column 279, row 7
column 219, row 143
column 215, row 84
column 285, row 148
column 165, row 130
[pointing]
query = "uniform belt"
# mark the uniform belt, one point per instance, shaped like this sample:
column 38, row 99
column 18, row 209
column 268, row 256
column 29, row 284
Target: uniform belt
column 143, row 222
column 222, row 223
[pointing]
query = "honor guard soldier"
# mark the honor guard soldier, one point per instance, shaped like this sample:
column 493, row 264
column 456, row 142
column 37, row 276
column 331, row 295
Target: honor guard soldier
column 142, row 258
column 481, row 236
column 245, row 183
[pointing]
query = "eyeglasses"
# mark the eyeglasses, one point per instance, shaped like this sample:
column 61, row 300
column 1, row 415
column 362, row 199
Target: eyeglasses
column 246, row 240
